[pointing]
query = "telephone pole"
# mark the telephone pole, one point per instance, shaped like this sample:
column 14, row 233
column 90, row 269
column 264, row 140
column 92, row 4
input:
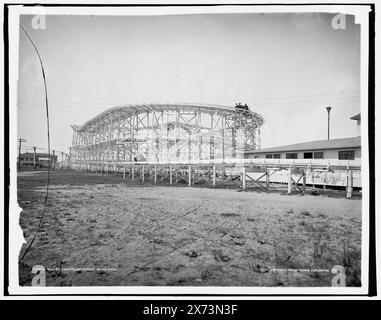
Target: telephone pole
column 328, row 110
column 34, row 158
column 69, row 160
column 61, row 160
column 21, row 140
column 53, row 160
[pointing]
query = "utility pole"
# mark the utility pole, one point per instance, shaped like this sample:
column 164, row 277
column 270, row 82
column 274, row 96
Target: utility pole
column 328, row 110
column 62, row 163
column 20, row 141
column 34, row 158
column 69, row 160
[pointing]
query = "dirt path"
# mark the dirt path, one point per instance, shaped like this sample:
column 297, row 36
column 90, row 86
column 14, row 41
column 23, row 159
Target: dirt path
column 139, row 234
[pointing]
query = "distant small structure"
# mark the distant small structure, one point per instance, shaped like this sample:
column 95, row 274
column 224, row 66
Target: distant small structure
column 41, row 160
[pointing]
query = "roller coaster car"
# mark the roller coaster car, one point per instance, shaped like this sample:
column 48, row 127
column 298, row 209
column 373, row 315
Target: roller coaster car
column 244, row 108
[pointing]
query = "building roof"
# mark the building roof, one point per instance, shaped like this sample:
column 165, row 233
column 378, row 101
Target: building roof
column 315, row 145
column 356, row 117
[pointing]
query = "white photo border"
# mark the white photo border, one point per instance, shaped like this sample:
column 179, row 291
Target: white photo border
column 15, row 233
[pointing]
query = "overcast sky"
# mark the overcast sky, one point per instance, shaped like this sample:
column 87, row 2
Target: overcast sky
column 286, row 67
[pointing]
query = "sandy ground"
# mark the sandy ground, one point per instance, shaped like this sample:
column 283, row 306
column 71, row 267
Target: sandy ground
column 131, row 233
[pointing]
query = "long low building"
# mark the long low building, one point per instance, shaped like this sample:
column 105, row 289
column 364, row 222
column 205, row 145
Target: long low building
column 341, row 149
column 330, row 149
column 335, row 149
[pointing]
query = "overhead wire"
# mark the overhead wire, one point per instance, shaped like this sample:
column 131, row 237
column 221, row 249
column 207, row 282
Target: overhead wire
column 90, row 105
column 48, row 135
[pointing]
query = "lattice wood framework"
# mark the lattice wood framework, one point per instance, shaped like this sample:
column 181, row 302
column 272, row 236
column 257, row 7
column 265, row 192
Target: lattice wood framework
column 163, row 133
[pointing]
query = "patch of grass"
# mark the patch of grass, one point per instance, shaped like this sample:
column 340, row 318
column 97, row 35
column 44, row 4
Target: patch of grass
column 230, row 214
column 350, row 259
column 258, row 265
column 192, row 254
column 206, row 274
column 320, row 247
column 221, row 255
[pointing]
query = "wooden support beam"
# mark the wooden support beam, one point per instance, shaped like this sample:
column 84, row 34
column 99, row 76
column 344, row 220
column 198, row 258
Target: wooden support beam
column 325, row 181
column 124, row 172
column 349, row 184
column 163, row 175
column 214, row 176
column 189, row 176
column 155, row 177
column 133, row 173
column 170, row 175
column 304, row 181
column 180, row 175
column 295, row 183
column 243, row 177
column 142, row 173
column 257, row 182
column 289, row 184
column 267, row 179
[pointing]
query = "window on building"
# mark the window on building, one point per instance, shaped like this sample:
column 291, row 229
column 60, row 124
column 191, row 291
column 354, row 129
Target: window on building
column 347, row 155
column 276, row 155
column 291, row 156
column 318, row 155
column 308, row 155
column 269, row 156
